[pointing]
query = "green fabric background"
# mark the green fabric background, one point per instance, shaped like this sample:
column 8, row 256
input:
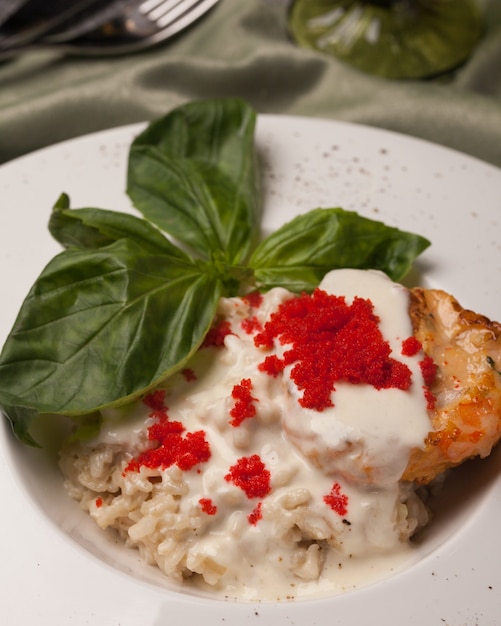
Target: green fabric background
column 242, row 49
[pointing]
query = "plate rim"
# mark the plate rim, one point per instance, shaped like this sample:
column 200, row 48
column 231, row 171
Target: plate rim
column 266, row 610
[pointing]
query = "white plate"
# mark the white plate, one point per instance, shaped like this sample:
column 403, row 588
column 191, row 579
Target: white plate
column 58, row 569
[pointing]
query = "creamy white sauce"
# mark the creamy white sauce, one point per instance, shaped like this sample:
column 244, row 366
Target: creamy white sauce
column 368, row 434
column 306, row 452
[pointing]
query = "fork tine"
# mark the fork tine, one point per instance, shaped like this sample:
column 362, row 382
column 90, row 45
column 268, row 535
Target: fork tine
column 171, row 10
column 162, row 7
column 148, row 5
column 200, row 8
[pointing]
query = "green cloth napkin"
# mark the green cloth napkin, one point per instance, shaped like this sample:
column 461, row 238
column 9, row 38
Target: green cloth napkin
column 241, row 48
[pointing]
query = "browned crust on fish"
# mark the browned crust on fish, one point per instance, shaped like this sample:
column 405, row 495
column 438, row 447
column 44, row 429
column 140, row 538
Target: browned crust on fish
column 466, row 348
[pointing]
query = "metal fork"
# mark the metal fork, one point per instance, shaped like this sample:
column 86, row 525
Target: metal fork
column 136, row 28
column 40, row 27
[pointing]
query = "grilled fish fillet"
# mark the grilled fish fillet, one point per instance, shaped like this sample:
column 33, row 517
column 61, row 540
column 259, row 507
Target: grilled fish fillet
column 466, row 348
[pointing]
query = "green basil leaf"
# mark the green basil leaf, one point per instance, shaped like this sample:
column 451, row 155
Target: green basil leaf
column 300, row 253
column 123, row 307
column 20, row 418
column 194, row 174
column 95, row 228
column 101, row 326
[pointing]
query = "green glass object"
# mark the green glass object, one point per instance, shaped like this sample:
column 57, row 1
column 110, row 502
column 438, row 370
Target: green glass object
column 389, row 38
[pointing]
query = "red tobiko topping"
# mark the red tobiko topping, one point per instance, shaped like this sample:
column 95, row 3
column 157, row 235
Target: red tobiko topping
column 330, row 341
column 272, row 365
column 244, row 402
column 429, row 371
column 156, row 401
column 99, row 502
column 337, row 500
column 251, row 475
column 216, row 335
column 253, row 299
column 256, row 515
column 208, row 506
column 430, row 398
column 251, row 325
column 189, row 374
column 173, row 447
column 411, row 346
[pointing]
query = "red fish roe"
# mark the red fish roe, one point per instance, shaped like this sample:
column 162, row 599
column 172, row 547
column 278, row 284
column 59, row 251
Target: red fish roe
column 99, row 502
column 411, row 346
column 216, row 335
column 244, row 402
column 251, row 475
column 208, row 506
column 173, row 447
column 272, row 365
column 330, row 341
column 337, row 500
column 189, row 374
column 256, row 514
column 251, row 325
column 429, row 371
column 156, row 402
column 253, row 299
column 430, row 398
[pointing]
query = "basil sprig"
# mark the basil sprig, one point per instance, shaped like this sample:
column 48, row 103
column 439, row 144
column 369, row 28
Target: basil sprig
column 129, row 300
